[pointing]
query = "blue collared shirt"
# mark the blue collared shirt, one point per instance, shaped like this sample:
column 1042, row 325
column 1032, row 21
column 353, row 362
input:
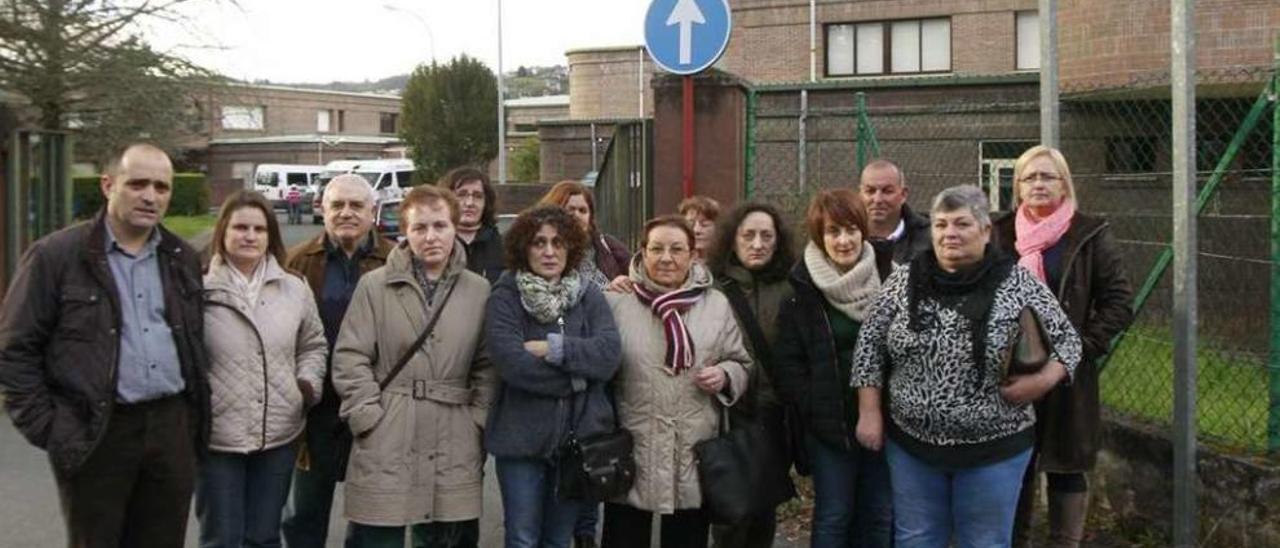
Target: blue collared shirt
column 149, row 366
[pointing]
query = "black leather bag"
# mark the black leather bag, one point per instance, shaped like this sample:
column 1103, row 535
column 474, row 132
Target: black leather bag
column 742, row 472
column 596, row 468
column 342, row 438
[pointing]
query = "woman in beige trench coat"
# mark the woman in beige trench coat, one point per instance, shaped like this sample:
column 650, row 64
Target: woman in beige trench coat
column 417, row 455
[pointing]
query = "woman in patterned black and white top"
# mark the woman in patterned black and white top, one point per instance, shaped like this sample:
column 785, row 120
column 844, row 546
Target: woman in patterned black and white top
column 958, row 435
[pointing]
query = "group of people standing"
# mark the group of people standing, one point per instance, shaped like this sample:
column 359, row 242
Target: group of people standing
column 873, row 348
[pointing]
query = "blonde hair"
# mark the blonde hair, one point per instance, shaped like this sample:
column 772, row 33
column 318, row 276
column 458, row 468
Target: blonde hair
column 1059, row 163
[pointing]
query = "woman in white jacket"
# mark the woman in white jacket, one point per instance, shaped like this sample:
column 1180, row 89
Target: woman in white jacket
column 266, row 349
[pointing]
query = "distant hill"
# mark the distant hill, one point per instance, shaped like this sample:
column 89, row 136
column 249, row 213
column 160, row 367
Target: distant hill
column 522, row 82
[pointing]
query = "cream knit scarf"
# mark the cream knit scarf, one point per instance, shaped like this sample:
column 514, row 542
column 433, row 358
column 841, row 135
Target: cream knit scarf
column 852, row 292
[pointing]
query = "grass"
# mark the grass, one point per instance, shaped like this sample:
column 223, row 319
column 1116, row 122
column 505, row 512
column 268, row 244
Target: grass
column 187, row 227
column 1232, row 395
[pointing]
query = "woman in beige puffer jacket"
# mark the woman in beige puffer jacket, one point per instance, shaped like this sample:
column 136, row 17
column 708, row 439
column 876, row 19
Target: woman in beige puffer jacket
column 667, row 398
column 266, row 349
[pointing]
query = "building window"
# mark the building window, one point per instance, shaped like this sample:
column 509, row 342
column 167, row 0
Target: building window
column 1028, row 32
column 388, row 123
column 242, row 117
column 322, row 121
column 902, row 47
column 342, row 121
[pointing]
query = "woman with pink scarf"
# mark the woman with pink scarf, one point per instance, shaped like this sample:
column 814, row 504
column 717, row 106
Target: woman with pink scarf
column 1075, row 255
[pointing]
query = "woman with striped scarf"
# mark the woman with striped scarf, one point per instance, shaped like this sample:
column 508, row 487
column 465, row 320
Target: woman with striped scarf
column 683, row 359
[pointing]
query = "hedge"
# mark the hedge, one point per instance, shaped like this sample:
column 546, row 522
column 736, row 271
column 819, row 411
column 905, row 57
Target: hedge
column 190, row 195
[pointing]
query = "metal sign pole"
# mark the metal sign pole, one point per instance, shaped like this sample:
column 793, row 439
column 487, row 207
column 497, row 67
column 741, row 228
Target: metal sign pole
column 1185, row 245
column 1049, row 104
column 687, row 135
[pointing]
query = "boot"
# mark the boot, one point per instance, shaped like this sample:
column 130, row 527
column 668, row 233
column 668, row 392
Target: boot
column 1067, row 512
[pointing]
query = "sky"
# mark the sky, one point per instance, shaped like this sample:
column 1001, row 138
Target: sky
column 316, row 41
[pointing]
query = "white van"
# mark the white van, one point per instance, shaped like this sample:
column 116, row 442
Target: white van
column 391, row 178
column 274, row 180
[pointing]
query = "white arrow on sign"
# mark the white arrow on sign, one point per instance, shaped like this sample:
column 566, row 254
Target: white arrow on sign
column 686, row 14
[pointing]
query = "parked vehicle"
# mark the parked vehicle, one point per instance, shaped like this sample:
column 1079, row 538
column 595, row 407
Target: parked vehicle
column 390, row 178
column 273, row 180
column 388, row 219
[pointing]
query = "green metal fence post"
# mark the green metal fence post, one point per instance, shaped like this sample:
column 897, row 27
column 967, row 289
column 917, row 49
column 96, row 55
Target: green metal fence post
column 1273, row 416
column 750, row 169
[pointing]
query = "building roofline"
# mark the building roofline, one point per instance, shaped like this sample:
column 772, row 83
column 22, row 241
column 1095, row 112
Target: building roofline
column 883, row 82
column 274, row 87
column 604, row 49
column 585, row 121
column 311, row 138
column 541, row 101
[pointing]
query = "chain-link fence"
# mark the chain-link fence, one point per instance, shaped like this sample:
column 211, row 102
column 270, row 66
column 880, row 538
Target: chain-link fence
column 971, row 130
column 1119, row 146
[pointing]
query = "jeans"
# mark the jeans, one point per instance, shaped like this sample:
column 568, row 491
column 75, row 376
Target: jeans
column 587, row 520
column 973, row 507
column 448, row 534
column 853, row 500
column 239, row 497
column 135, row 488
column 306, row 516
column 534, row 517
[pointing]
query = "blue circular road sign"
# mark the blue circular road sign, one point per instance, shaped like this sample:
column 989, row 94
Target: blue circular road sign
column 686, row 36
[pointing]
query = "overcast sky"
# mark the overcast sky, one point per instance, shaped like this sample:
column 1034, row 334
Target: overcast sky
column 326, row 40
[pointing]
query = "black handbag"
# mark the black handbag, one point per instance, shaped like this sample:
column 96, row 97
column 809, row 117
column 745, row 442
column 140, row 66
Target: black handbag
column 599, row 467
column 742, row 472
column 342, row 438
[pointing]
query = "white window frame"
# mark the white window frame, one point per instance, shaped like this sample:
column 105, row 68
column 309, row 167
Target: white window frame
column 324, row 121
column 888, row 57
column 242, row 117
column 1026, row 40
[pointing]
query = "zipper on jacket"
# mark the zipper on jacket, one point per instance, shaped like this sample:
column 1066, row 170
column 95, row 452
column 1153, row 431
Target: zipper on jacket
column 835, row 365
column 262, row 351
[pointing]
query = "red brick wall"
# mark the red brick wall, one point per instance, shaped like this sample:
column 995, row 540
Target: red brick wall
column 1108, row 43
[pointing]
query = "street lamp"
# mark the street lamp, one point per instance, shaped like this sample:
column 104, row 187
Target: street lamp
column 430, row 36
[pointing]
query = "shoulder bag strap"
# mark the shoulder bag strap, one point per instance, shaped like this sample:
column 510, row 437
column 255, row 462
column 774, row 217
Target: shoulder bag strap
column 422, row 338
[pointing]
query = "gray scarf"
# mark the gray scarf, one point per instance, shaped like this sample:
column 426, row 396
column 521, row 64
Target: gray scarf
column 546, row 301
column 591, row 273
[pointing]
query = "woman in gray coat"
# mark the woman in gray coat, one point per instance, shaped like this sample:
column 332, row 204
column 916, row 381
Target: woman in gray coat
column 552, row 337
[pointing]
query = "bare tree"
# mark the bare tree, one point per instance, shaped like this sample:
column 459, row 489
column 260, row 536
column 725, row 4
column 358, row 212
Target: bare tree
column 83, row 66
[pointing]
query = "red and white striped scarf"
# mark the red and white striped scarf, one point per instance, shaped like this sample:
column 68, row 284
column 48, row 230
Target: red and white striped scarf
column 670, row 307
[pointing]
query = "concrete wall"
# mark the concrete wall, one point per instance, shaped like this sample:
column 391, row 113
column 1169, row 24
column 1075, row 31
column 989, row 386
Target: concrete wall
column 567, row 148
column 1133, row 485
column 606, row 83
column 293, row 111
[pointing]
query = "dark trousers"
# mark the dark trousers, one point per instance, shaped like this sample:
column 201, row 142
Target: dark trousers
column 627, row 527
column 755, row 532
column 135, row 488
column 451, row 534
column 239, row 497
column 306, row 516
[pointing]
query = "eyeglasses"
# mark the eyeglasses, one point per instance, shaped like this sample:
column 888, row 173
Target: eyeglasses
column 473, row 196
column 1041, row 176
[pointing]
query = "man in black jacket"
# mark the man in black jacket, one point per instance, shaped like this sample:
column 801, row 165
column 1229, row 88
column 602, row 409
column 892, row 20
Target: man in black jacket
column 102, row 362
column 896, row 232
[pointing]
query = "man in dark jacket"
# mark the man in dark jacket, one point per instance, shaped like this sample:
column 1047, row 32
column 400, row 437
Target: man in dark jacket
column 332, row 263
column 478, row 226
column 896, row 232
column 102, row 362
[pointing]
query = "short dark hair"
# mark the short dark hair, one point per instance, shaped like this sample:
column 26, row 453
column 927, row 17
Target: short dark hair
column 675, row 221
column 520, row 236
column 457, row 176
column 238, row 200
column 722, row 252
column 842, row 206
column 703, row 205
column 425, row 195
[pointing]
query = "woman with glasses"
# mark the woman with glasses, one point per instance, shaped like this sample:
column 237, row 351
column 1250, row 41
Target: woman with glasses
column 683, row 360
column 1074, row 254
column 477, row 224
